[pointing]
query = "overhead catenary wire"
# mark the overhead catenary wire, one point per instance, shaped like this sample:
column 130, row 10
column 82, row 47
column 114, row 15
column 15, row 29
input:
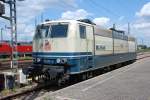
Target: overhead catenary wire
column 65, row 5
column 98, row 6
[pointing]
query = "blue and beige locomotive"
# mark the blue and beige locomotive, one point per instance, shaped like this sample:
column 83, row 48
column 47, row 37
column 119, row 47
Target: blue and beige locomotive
column 69, row 47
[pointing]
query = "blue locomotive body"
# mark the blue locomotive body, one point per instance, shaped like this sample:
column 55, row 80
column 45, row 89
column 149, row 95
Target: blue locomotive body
column 79, row 62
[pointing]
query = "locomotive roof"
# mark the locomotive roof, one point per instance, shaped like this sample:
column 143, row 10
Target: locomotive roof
column 88, row 22
column 103, row 32
column 130, row 38
column 98, row 30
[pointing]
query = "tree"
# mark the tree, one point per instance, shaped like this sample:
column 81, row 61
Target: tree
column 142, row 47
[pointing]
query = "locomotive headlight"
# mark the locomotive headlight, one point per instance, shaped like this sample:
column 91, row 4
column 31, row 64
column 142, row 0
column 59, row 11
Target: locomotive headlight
column 34, row 60
column 61, row 61
column 58, row 60
column 38, row 59
column 64, row 60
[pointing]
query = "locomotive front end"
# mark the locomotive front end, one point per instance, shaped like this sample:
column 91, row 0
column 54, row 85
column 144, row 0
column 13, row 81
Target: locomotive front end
column 52, row 44
column 62, row 48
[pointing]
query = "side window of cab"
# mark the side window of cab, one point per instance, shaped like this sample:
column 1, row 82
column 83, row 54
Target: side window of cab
column 82, row 30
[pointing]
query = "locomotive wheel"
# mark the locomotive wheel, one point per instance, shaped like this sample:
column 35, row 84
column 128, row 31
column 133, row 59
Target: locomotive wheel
column 59, row 82
column 84, row 76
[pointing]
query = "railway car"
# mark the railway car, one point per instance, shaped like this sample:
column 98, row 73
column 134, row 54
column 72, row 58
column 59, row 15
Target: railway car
column 5, row 50
column 70, row 47
column 23, row 50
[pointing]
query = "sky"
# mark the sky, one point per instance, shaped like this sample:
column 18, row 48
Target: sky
column 104, row 13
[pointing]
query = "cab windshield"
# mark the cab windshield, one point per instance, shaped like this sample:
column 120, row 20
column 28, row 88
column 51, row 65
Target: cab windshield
column 51, row 31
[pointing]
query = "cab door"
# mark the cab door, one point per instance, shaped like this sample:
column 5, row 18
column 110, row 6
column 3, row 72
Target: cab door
column 90, row 46
column 84, row 47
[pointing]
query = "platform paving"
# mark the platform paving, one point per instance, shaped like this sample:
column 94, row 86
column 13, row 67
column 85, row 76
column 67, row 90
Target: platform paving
column 131, row 82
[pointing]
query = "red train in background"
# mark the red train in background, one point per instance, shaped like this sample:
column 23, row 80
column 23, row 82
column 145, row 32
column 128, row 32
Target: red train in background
column 24, row 49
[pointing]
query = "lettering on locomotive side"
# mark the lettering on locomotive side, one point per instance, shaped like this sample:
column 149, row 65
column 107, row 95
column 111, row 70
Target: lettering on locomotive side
column 100, row 47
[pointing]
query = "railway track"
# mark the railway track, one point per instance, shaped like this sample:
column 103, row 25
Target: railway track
column 5, row 65
column 31, row 92
column 36, row 91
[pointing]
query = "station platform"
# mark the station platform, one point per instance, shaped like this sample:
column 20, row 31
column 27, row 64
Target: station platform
column 131, row 82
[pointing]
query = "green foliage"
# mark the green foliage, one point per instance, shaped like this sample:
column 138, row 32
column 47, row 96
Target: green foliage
column 144, row 50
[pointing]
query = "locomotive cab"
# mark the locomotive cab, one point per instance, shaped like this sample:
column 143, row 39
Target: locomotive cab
column 68, row 44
